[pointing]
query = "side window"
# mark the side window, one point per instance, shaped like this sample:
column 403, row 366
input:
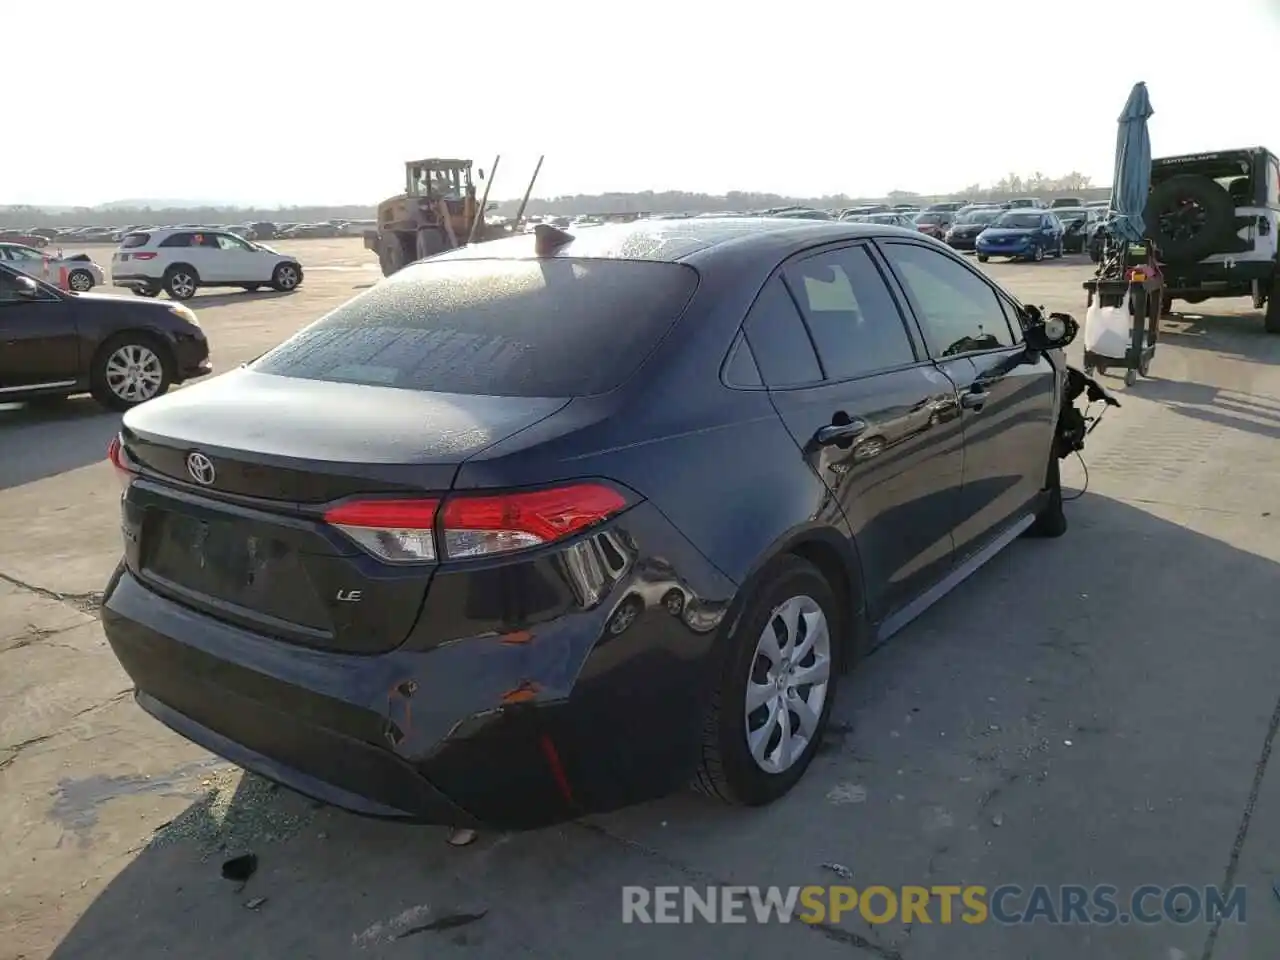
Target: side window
column 8, row 286
column 779, row 341
column 852, row 316
column 25, row 253
column 741, row 370
column 958, row 310
column 228, row 242
column 177, row 240
column 1273, row 182
column 1011, row 315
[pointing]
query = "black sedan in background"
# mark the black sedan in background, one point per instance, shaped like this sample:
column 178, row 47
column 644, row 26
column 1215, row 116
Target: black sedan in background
column 554, row 524
column 54, row 343
column 963, row 233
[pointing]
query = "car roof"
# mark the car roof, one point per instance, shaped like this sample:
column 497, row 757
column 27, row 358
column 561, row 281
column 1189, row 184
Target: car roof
column 673, row 241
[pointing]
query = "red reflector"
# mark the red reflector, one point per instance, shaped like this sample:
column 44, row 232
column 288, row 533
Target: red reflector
column 385, row 514
column 545, row 514
column 144, row 256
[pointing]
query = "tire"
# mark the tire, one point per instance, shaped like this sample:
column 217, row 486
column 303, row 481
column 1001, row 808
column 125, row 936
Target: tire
column 1038, row 256
column 392, row 256
column 1189, row 239
column 1271, row 319
column 252, row 287
column 624, row 617
column 1166, row 305
column 181, row 282
column 286, row 277
column 81, row 281
column 727, row 769
column 1051, row 521
column 983, row 258
column 1062, row 249
column 129, row 369
column 146, row 291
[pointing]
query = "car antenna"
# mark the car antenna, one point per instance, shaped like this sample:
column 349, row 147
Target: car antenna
column 548, row 239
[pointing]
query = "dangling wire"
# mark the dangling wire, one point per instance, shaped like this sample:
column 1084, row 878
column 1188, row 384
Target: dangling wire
column 1093, row 421
column 1081, row 492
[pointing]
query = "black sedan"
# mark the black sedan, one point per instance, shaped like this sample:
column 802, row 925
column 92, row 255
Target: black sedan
column 554, row 524
column 55, row 343
column 962, row 234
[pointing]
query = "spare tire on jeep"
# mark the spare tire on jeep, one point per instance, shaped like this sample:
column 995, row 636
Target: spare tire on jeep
column 1188, row 217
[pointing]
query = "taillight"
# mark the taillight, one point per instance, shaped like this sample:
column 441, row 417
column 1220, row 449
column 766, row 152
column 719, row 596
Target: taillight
column 403, row 531
column 480, row 526
column 143, row 256
column 115, row 454
column 396, row 530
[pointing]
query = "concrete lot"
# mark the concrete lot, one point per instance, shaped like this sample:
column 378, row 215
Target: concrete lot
column 1098, row 709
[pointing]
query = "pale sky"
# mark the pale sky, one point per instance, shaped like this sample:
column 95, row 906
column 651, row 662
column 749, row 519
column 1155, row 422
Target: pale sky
column 291, row 102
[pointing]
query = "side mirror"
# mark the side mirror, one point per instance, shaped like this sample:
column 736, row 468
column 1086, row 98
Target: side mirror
column 1054, row 333
column 481, row 172
column 27, row 289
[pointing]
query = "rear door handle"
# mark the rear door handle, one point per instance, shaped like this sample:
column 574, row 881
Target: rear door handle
column 974, row 399
column 834, row 433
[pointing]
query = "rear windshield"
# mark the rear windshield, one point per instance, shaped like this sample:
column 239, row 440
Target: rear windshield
column 515, row 328
column 135, row 240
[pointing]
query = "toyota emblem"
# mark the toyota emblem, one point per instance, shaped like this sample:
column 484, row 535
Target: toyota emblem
column 201, row 469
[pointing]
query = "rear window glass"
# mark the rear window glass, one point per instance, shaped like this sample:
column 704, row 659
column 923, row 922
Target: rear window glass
column 135, row 240
column 557, row 327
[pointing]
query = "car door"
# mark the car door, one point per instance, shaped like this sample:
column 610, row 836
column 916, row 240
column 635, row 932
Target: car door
column 1051, row 229
column 1008, row 394
column 874, row 419
column 39, row 341
column 207, row 257
column 240, row 262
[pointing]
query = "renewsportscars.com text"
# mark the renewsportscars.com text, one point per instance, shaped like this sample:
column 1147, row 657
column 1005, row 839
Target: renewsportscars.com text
column 1008, row 904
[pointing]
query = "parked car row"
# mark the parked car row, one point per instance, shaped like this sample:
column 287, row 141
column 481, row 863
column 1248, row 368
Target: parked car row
column 260, row 230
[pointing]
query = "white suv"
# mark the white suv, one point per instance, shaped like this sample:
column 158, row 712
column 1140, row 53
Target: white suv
column 181, row 261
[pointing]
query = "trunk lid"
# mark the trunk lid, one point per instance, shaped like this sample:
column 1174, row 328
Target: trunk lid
column 226, row 512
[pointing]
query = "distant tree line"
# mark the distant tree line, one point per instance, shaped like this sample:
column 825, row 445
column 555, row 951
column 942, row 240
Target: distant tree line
column 648, row 201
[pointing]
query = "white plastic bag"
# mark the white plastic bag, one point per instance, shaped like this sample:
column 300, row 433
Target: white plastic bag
column 1108, row 330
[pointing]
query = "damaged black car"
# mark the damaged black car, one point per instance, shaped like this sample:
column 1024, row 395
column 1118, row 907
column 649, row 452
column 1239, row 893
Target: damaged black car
column 554, row 524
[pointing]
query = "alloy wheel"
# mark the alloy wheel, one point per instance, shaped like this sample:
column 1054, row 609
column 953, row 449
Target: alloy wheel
column 287, row 277
column 80, row 281
column 134, row 373
column 182, row 285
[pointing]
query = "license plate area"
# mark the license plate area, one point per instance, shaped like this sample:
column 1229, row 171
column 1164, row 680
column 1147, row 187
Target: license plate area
column 232, row 561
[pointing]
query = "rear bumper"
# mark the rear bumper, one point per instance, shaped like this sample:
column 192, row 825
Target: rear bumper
column 133, row 280
column 1217, row 279
column 479, row 730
